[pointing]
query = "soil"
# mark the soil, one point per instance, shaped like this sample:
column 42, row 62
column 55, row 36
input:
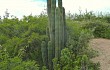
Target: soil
column 103, row 48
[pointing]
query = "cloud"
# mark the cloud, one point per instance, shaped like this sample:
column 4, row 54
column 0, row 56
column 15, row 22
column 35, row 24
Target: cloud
column 90, row 5
column 26, row 7
column 21, row 7
column 40, row 0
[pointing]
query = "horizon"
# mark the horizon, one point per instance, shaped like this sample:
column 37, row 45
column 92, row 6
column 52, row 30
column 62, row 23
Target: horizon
column 36, row 7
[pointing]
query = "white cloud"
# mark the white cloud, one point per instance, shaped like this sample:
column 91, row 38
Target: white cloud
column 26, row 7
column 90, row 5
column 21, row 7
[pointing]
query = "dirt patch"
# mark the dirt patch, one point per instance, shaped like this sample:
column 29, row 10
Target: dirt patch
column 103, row 47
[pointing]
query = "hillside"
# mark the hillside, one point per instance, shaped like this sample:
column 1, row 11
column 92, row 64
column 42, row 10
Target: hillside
column 103, row 47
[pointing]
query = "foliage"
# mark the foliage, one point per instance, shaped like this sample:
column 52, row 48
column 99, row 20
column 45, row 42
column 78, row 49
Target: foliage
column 78, row 38
column 20, row 42
column 77, row 55
column 100, row 29
column 69, row 62
column 23, row 37
column 16, row 63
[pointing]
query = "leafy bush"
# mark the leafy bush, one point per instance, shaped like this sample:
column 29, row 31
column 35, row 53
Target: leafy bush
column 23, row 37
column 16, row 63
column 77, row 55
column 78, row 38
column 68, row 61
column 100, row 29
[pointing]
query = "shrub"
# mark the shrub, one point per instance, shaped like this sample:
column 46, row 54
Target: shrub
column 69, row 62
column 16, row 63
column 78, row 38
column 100, row 29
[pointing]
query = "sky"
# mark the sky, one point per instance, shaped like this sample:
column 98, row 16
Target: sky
column 35, row 7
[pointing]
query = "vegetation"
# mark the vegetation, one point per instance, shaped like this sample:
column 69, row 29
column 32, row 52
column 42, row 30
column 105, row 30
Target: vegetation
column 22, row 38
column 31, row 44
column 57, row 33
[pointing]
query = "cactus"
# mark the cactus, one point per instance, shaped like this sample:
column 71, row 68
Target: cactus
column 56, row 32
column 47, row 32
column 57, row 24
column 60, row 4
column 48, row 7
column 50, row 50
column 52, row 27
column 44, row 53
column 61, row 29
column 65, row 31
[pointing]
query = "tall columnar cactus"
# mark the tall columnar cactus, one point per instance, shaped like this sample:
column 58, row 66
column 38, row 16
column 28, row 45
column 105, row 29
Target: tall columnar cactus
column 60, row 3
column 65, row 30
column 52, row 27
column 47, row 32
column 57, row 31
column 44, row 53
column 50, row 56
column 48, row 7
column 61, row 31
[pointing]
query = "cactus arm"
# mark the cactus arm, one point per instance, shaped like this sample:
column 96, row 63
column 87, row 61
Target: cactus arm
column 50, row 64
column 44, row 53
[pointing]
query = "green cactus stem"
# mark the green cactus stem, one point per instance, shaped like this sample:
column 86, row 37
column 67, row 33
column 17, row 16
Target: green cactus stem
column 50, row 55
column 48, row 7
column 65, row 28
column 57, row 22
column 44, row 53
column 52, row 27
column 56, row 32
column 60, row 4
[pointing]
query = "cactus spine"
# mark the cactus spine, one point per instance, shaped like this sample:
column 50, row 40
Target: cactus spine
column 57, row 31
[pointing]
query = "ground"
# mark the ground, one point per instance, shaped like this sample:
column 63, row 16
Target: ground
column 103, row 47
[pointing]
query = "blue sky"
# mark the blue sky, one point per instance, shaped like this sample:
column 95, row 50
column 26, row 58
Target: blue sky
column 26, row 7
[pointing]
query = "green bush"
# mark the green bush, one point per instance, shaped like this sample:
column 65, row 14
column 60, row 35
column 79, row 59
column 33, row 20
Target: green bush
column 69, row 62
column 77, row 55
column 78, row 38
column 100, row 29
column 23, row 37
column 15, row 63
